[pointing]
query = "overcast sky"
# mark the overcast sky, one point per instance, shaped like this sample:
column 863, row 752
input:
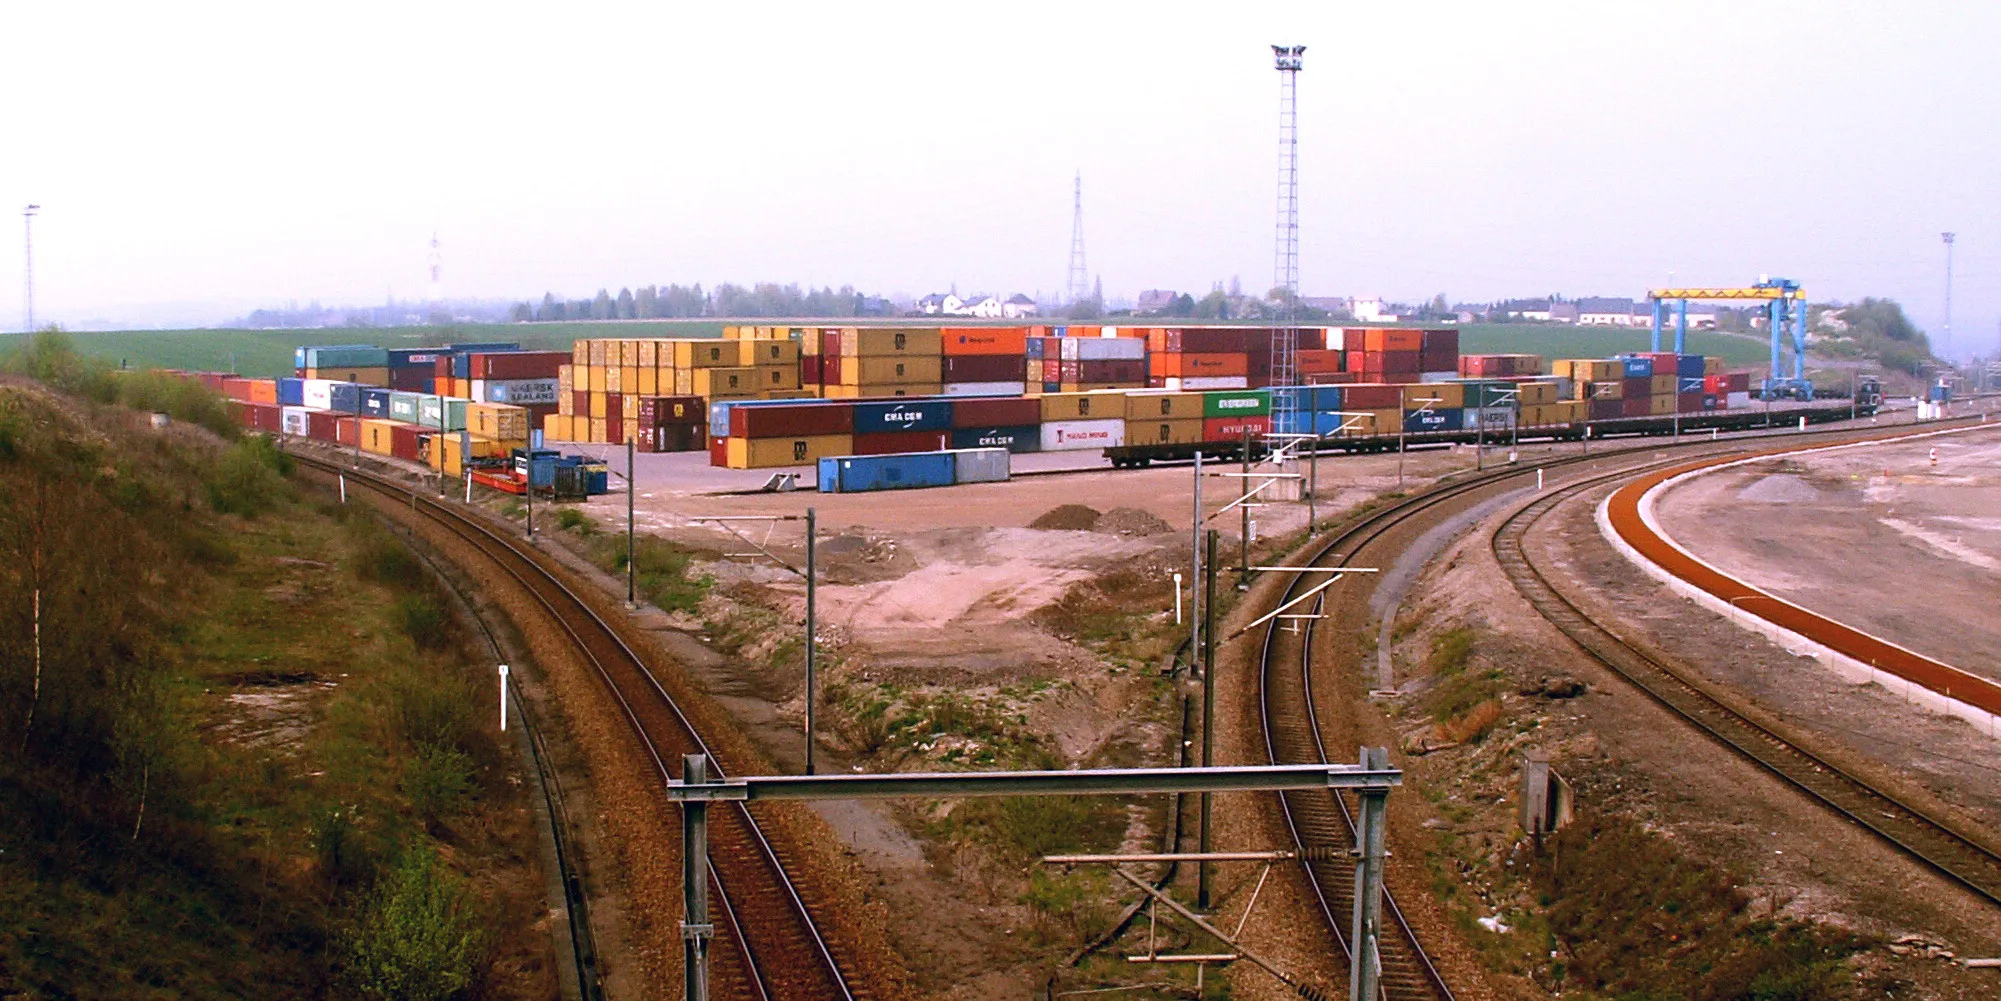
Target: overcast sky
column 225, row 156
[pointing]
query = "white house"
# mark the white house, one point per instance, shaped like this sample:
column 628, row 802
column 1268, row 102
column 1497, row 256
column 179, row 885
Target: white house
column 1369, row 309
column 1018, row 307
column 1606, row 311
column 934, row 304
column 980, row 305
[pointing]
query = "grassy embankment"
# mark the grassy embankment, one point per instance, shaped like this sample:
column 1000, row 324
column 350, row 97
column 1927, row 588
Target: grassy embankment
column 247, row 755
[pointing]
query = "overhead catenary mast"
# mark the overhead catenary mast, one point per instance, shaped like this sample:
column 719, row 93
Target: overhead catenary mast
column 1077, row 287
column 1285, row 263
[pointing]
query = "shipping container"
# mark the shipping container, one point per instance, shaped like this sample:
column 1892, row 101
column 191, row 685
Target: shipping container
column 1372, row 396
column 518, row 392
column 655, row 411
column 1160, row 431
column 912, row 415
column 1235, row 428
column 1436, row 419
column 1637, row 368
column 1242, row 403
column 295, row 421
column 1636, row 406
column 1314, row 398
column 450, row 410
column 768, row 352
column 1016, row 438
column 1082, row 406
column 878, row 342
column 1385, row 339
column 977, row 389
column 984, row 368
column 894, row 369
column 1491, row 419
column 996, row 412
column 890, row 442
column 981, row 465
column 1126, row 372
column 1320, row 423
column 1438, row 395
column 1104, row 348
column 1163, row 406
column 1663, row 385
column 797, row 420
column 984, row 341
column 1071, row 435
column 909, row 471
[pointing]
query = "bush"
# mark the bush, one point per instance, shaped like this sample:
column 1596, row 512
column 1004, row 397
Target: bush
column 432, row 708
column 424, row 621
column 1029, row 827
column 344, row 858
column 249, row 479
column 179, row 397
column 571, row 519
column 379, row 556
column 417, row 935
column 436, row 779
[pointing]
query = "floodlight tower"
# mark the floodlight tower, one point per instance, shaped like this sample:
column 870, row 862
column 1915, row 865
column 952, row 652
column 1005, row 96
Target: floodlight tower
column 28, row 268
column 1079, row 284
column 437, row 262
column 1285, row 265
column 1945, row 349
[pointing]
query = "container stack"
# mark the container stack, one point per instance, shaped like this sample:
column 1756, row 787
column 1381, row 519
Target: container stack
column 364, row 364
column 1649, row 384
column 863, row 362
column 1204, row 358
column 415, row 427
column 599, row 394
column 984, row 361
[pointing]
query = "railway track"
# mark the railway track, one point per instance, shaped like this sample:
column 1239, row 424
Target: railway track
column 1906, row 828
column 767, row 946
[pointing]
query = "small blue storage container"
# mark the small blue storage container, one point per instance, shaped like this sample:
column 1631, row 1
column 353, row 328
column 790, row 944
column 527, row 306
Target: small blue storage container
column 899, row 471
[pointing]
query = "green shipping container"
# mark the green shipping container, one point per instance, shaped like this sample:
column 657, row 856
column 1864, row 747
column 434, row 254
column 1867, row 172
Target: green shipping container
column 455, row 413
column 1236, row 403
column 407, row 407
column 1491, row 393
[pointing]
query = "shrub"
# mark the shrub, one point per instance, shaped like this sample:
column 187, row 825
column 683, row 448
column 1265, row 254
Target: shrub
column 249, row 478
column 344, row 858
column 436, row 779
column 423, row 621
column 416, row 937
column 571, row 519
column 432, row 708
column 1028, row 827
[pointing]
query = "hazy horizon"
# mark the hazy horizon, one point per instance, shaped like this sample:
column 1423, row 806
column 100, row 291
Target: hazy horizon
column 246, row 156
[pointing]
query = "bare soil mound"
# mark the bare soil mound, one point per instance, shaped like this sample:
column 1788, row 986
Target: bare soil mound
column 1067, row 518
column 1130, row 521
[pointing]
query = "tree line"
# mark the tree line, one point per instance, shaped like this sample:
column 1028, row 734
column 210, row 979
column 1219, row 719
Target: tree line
column 672, row 302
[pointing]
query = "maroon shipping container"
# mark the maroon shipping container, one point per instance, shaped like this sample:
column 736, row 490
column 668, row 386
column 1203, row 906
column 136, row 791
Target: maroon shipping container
column 1441, row 340
column 830, row 370
column 996, row 412
column 719, row 451
column 887, row 442
column 1688, row 403
column 1127, row 370
column 1636, row 407
column 1156, row 382
column 810, row 369
column 441, row 367
column 1203, row 341
column 1371, row 396
column 1398, row 361
column 269, row 417
column 517, row 364
column 989, row 368
column 792, row 420
column 405, row 442
column 1605, row 410
column 658, row 411
column 580, row 403
column 675, row 438
column 1313, row 339
column 830, row 343
column 1642, row 388
column 239, row 413
column 411, row 380
column 322, row 425
column 614, row 429
column 1737, row 382
column 1438, row 361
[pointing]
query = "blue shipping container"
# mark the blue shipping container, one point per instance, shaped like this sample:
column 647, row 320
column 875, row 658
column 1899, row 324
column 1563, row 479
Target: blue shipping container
column 344, row 398
column 1308, row 397
column 901, row 471
column 1026, row 438
column 291, row 392
column 1436, row 419
column 1688, row 366
column 481, row 346
column 902, row 415
column 1639, row 368
column 1688, row 384
column 375, row 403
column 1320, row 423
column 1034, row 348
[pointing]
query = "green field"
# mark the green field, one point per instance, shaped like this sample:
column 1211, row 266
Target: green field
column 269, row 352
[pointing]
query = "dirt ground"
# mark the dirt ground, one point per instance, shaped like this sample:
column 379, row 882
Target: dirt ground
column 1878, row 537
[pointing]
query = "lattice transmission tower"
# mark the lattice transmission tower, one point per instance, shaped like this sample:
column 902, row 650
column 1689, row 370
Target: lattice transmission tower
column 1285, row 264
column 1078, row 287
column 28, row 268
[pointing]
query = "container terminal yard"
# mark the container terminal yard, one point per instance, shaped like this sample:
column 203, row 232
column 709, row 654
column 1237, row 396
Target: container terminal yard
column 952, row 622
column 783, row 623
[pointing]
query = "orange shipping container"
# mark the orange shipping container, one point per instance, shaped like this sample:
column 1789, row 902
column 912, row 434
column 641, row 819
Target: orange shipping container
column 1204, row 365
column 985, row 340
column 1392, row 339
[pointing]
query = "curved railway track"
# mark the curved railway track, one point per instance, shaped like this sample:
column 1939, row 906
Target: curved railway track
column 1906, row 828
column 767, row 946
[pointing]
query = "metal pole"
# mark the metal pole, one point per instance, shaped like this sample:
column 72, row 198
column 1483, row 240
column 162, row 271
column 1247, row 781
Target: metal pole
column 1208, row 717
column 1366, row 971
column 812, row 637
column 695, row 926
column 1480, row 431
column 1403, row 403
column 1244, row 539
column 631, row 532
column 1195, row 569
column 503, row 698
column 529, row 491
column 28, row 268
column 1313, row 474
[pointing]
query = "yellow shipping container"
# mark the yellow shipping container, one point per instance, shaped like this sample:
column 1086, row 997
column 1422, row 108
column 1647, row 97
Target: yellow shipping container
column 1663, row 385
column 705, row 354
column 1448, row 395
column 447, row 453
column 378, row 436
column 1536, row 394
column 565, row 380
column 629, row 408
column 839, row 392
column 778, row 377
column 768, row 352
column 1658, row 405
column 1097, row 387
column 556, row 427
column 594, row 431
column 867, row 370
column 1371, row 422
column 766, row 453
column 580, row 352
column 596, row 355
column 868, row 342
column 1613, row 390
column 1154, row 431
column 364, row 376
column 499, row 421
column 598, row 407
column 649, row 381
column 710, row 382
column 1162, row 406
column 900, row 389
column 1712, row 365
column 649, row 354
column 1083, row 406
column 787, row 394
column 614, row 379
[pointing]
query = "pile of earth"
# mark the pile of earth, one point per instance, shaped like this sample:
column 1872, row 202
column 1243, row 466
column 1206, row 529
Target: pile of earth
column 1117, row 521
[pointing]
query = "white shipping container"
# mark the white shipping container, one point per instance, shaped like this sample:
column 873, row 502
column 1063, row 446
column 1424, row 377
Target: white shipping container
column 1337, row 340
column 1736, row 401
column 1065, row 436
column 1214, row 382
column 293, row 420
column 985, row 389
column 979, row 465
column 317, row 394
column 515, row 392
column 1495, row 418
column 1110, row 349
column 1437, row 376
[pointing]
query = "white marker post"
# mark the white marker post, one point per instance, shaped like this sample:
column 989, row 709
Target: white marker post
column 1177, row 598
column 503, row 698
column 1538, row 481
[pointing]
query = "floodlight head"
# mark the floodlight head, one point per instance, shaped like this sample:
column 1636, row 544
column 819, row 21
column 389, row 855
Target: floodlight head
column 31, row 210
column 1948, row 237
column 1286, row 57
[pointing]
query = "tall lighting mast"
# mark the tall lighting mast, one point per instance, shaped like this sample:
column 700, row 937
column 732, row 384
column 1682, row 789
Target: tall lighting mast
column 1945, row 336
column 1285, row 264
column 1078, row 285
column 28, row 268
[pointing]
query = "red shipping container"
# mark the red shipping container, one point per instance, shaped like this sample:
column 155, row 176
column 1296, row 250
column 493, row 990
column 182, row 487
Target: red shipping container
column 1712, row 384
column 517, row 364
column 1318, row 362
column 1313, row 339
column 985, row 368
column 1438, row 361
column 830, row 370
column 1209, row 340
column 830, row 344
column 1737, row 382
column 657, row 411
column 996, row 412
column 1234, row 428
column 889, row 442
column 614, row 428
column 411, row 380
column 270, row 417
column 810, row 367
column 1371, row 396
column 322, row 425
column 1354, row 361
column 1441, row 340
column 239, row 413
column 1640, row 406
column 673, row 438
column 1688, row 403
column 792, row 420
column 719, row 451
column 1131, row 370
column 1606, row 410
column 1639, row 388
column 580, row 403
column 404, row 442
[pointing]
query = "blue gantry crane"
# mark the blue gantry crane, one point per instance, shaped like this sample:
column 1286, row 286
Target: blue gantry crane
column 1785, row 310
